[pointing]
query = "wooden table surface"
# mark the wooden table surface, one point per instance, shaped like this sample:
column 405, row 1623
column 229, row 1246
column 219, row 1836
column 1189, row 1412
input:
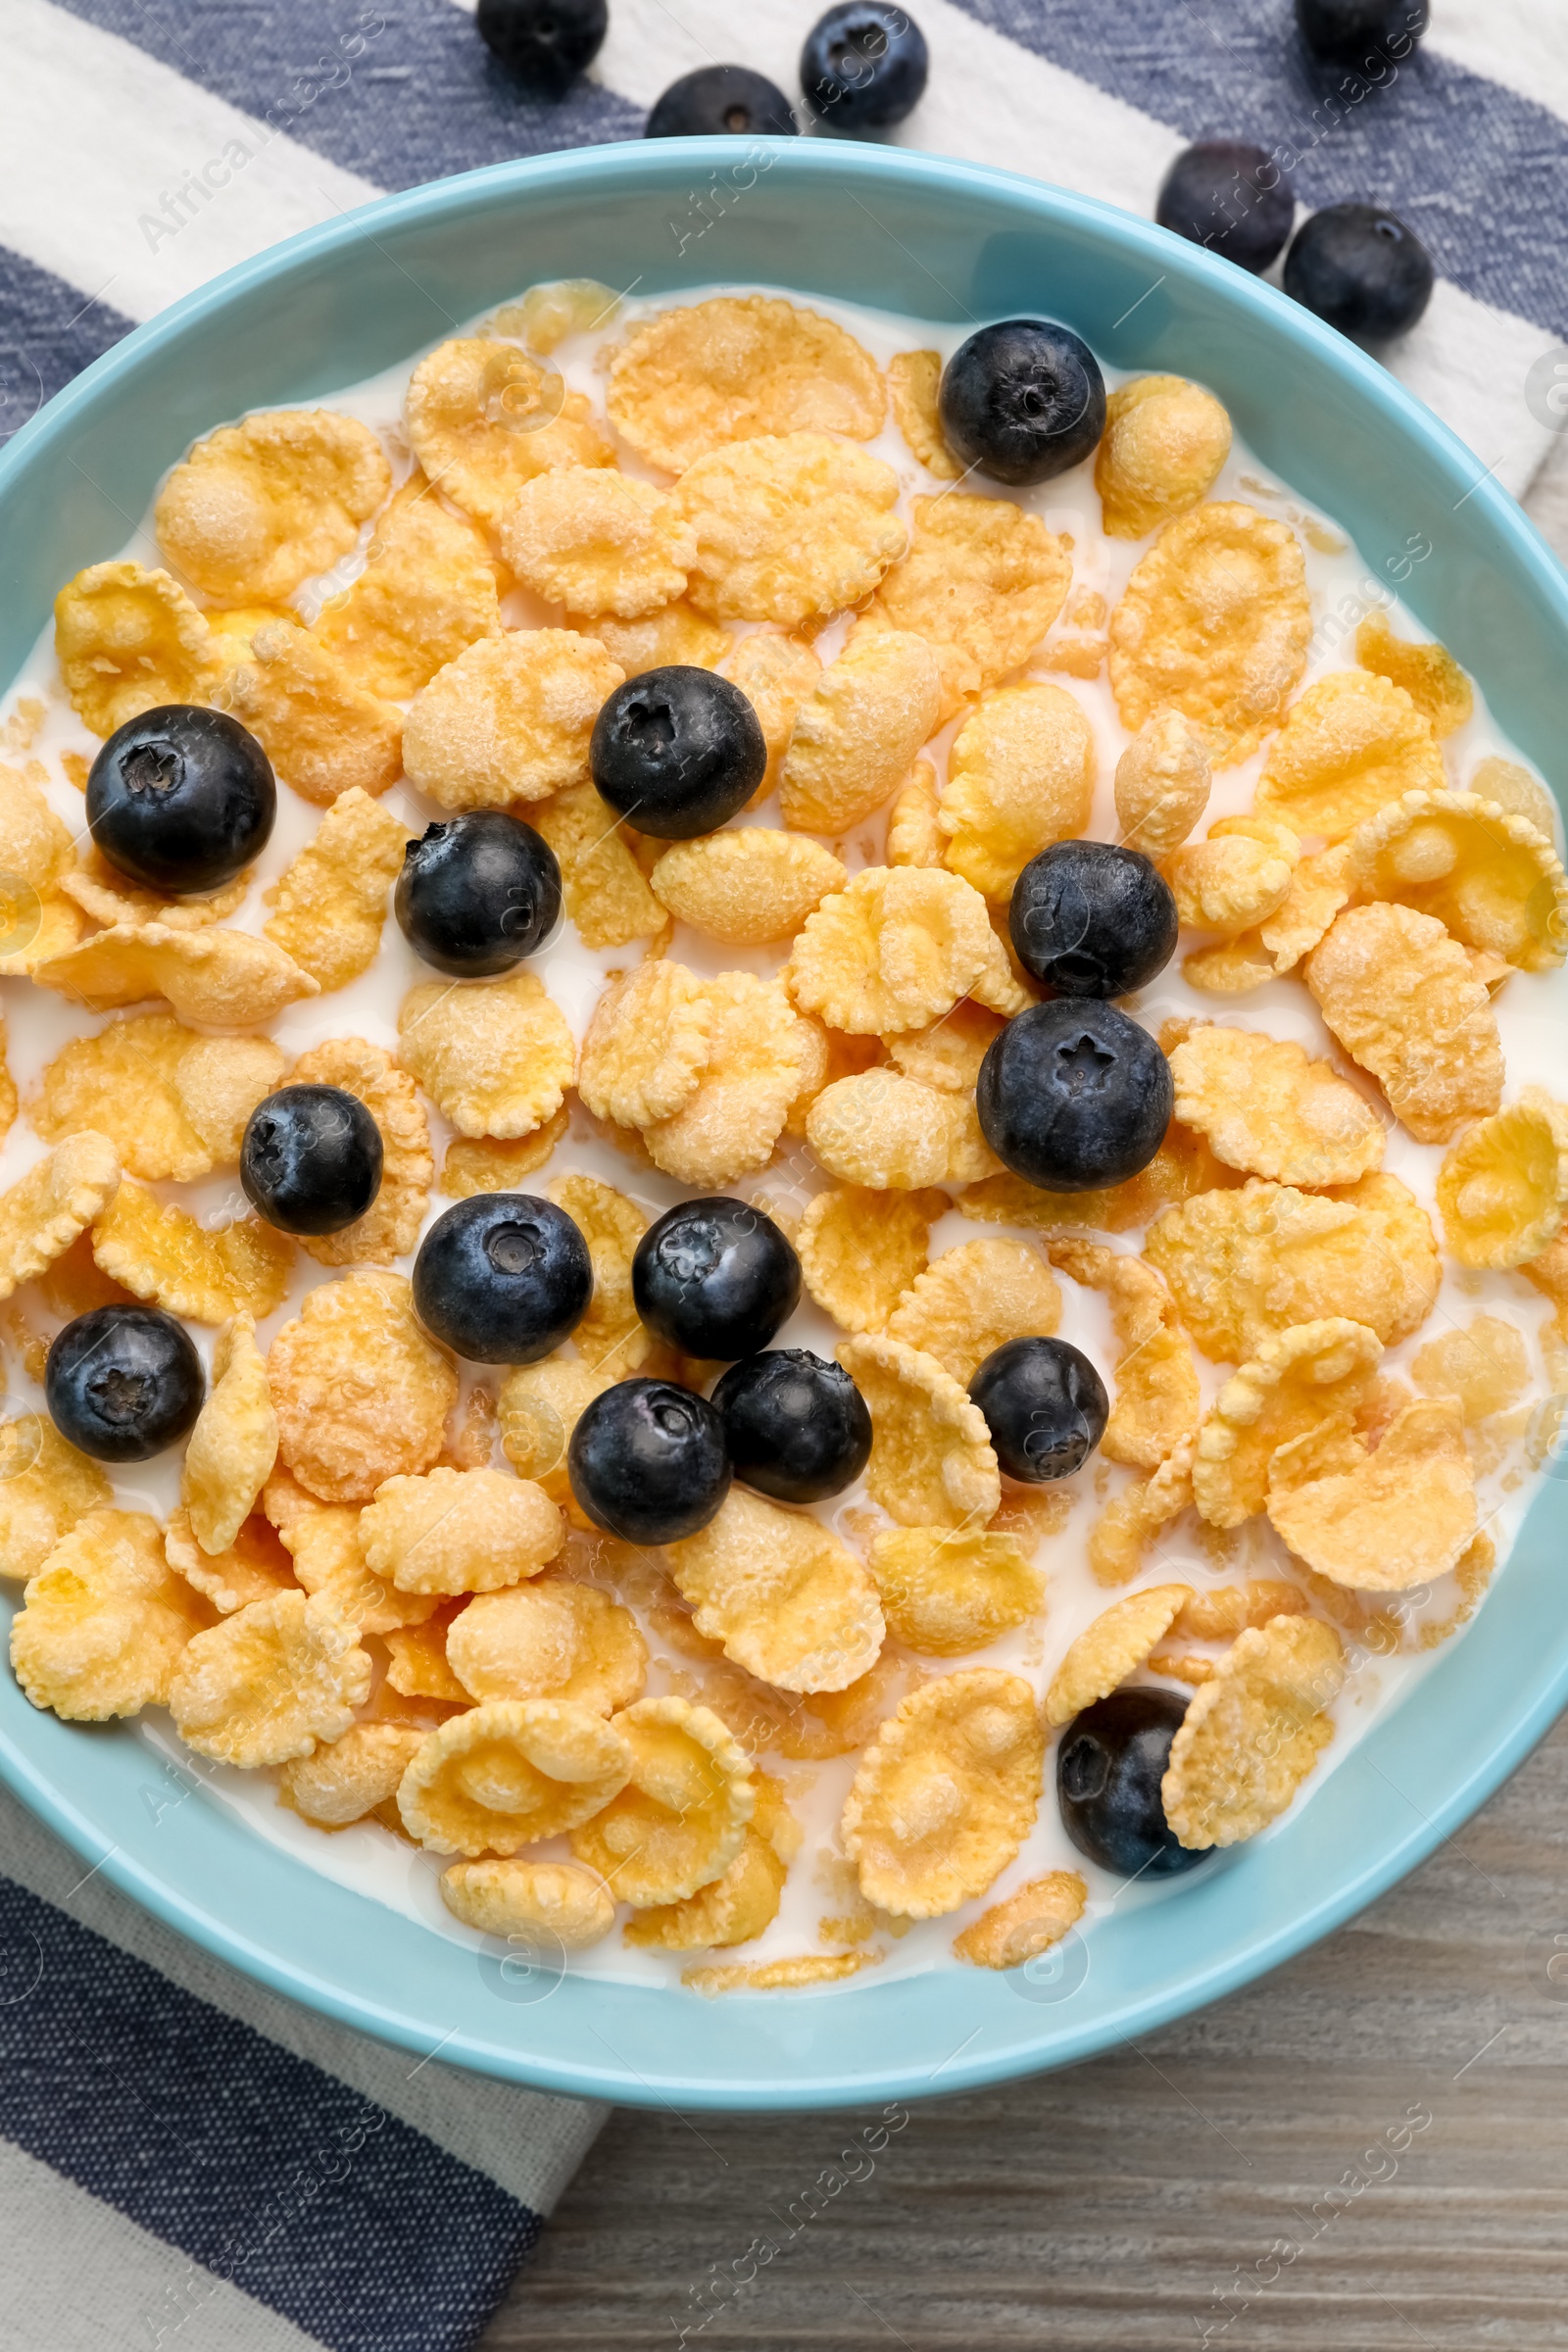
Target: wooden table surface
column 1367, row 2148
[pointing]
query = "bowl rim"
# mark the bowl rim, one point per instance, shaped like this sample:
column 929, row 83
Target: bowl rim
column 631, row 162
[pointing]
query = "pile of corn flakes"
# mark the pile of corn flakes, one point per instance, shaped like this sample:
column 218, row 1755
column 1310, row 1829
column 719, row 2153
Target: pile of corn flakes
column 375, row 1584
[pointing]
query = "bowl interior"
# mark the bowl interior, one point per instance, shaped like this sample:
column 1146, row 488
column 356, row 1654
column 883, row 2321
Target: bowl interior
column 947, row 242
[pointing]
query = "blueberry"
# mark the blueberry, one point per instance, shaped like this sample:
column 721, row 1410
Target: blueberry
column 1230, row 197
column 1045, row 1405
column 1109, row 1764
column 1360, row 33
column 794, row 1426
column 1023, row 400
column 647, row 1462
column 715, row 1278
column 863, row 65
column 1359, row 267
column 503, row 1278
column 310, row 1159
column 181, row 799
column 123, row 1382
column 1073, row 1096
column 1093, row 919
column 676, row 752
column 545, row 43
column 717, row 99
column 477, row 893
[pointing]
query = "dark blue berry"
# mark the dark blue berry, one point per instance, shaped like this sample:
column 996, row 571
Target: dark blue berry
column 1359, row 267
column 123, row 1382
column 722, row 100
column 647, row 1462
column 1109, row 1764
column 796, row 1427
column 1361, row 32
column 181, row 799
column 1230, row 197
column 1023, row 400
column 1093, row 919
column 676, row 752
column 1045, row 1405
column 1073, row 1096
column 477, row 893
column 503, row 1278
column 311, row 1160
column 863, row 65
column 715, row 1278
column 545, row 43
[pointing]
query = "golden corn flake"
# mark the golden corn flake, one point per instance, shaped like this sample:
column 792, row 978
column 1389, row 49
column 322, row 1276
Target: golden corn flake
column 1490, row 879
column 973, row 1300
column 648, row 1044
column 745, row 888
column 1234, row 879
column 1183, row 1167
column 880, row 1132
column 787, row 1601
column 857, row 733
column 861, row 1250
column 233, row 633
column 258, row 507
column 1310, row 1374
column 323, row 1539
column 1252, row 1733
column 895, row 950
column 946, row 1794
column 914, row 378
column 677, row 634
column 1510, row 787
column 222, row 979
column 736, row 368
column 428, row 591
column 730, row 1909
column 1269, row 1110
column 1157, row 1398
column 329, row 904
column 510, row 719
column 1130, row 1520
column 982, row 583
column 342, row 1783
column 36, row 855
column 362, row 1395
column 946, row 1590
column 915, row 838
column 680, row 1818
column 1215, row 622
column 483, row 418
column 390, row 1226
column 104, row 1622
column 1164, row 443
column 554, row 1902
column 931, row 1460
column 46, row 1488
column 129, row 640
column 549, row 1640
column 1352, row 744
column 598, row 542
column 1502, row 1190
column 322, row 729
column 605, row 889
column 254, row 1567
column 459, row 1530
column 948, row 1054
column 1404, row 1002
column 732, row 1120
column 270, row 1681
column 205, row 1274
column 233, row 1445
column 1114, row 1647
column 1399, row 1516
column 1319, row 887
column 1246, row 1265
column 511, row 1772
column 1429, row 674
column 1026, row 1925
column 609, row 1335
column 793, row 1975
column 551, row 311
column 1485, row 1366
column 485, row 1164
column 1162, row 783
column 776, row 675
column 60, row 1196
column 1020, row 775
column 120, row 1083
column 111, row 897
column 788, row 525
column 494, row 1055
column 807, row 1727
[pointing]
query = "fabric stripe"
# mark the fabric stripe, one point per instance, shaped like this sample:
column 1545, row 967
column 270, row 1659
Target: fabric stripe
column 79, row 2277
column 1478, row 170
column 260, row 2167
column 48, row 333
column 1521, row 43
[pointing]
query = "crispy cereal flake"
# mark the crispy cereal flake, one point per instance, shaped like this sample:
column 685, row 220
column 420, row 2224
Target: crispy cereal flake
column 494, row 1055
column 233, row 1445
column 680, row 1819
column 609, row 1335
column 222, row 979
column 323, row 1539
column 254, row 1567
column 1268, row 1108
column 122, row 1084
column 111, row 897
column 606, row 890
column 532, row 1905
column 1352, row 744
column 785, row 1599
column 856, row 735
column 915, row 838
column 205, row 1274
column 1158, row 1402
column 485, row 1164
column 1485, row 1366
column 982, row 583
column 1406, row 1002
column 258, row 507
column 677, row 634
column 736, row 368
column 459, row 1530
column 342, row 1783
column 1490, row 879
column 946, row 1794
column 270, row 1681
column 1236, row 878
column 598, row 542
column 60, row 1196
column 789, row 525
column 973, row 1300
column 746, row 889
column 914, row 378
column 1026, row 1925
column 1312, row 1373
column 104, row 1622
column 861, row 1250
column 1510, row 787
column 362, row 1395
column 483, row 418
column 1253, row 1732
column 1398, row 1517
column 931, row 1460
column 126, row 641
column 1164, row 443
column 1020, row 775
column 322, row 729
column 776, row 675
column 428, row 591
column 1108, row 1651
column 549, row 1640
column 946, row 1590
column 648, row 1044
column 47, row 1486
column 1429, row 674
column 1502, row 1190
column 882, row 1132
column 756, row 1063
column 511, row 1772
column 895, row 950
column 508, row 719
column 329, row 906
column 1162, row 783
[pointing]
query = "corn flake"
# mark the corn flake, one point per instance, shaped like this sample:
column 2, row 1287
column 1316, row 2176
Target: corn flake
column 882, row 1132
column 1162, row 783
column 785, row 1599
column 914, row 378
column 915, row 838
column 1429, row 674
column 1399, row 1517
column 206, row 1275
column 982, row 583
column 605, row 889
column 112, row 898
column 609, row 1334
column 129, row 640
column 680, row 1819
column 1026, row 1925
column 1502, row 1190
column 459, row 1530
column 1157, row 1398
column 1513, row 788
column 1106, row 1652
column 254, row 1566
column 1234, row 879
column 549, row 1902
column 776, row 675
column 428, row 591
column 948, row 1054
column 895, row 950
column 946, row 1794
column 1164, row 443
column 788, row 525
column 510, row 719
column 223, row 979
column 1350, row 746
column 323, row 1539
column 737, row 368
column 362, row 1395
column 856, row 734
column 47, row 1486
column 1312, row 1373
column 1252, row 1733
column 931, row 1460
column 1020, row 775
column 354, row 1776
column 647, row 1043
column 258, row 507
column 390, row 1226
column 1490, row 879
column 598, row 542
column 861, row 1250
column 323, row 731
column 746, row 888
column 486, row 1165
column 233, row 1445
column 549, row 1640
column 1485, row 1365
column 1405, row 1001
column 122, row 1084
column 60, row 1196
column 1270, row 1110
column 329, row 904
column 494, row 1055
column 483, row 419
column 735, row 1115
column 678, row 634
column 793, row 1975
column 270, row 1681
column 973, row 1300
column 947, row 1591
column 103, row 1622
column 1130, row 1520
column 508, row 1773
column 730, row 1909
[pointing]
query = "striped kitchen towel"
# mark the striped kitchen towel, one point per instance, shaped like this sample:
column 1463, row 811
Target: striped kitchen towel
column 187, row 2161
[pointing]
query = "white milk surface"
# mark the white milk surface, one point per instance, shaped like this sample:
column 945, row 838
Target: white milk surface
column 1532, row 1012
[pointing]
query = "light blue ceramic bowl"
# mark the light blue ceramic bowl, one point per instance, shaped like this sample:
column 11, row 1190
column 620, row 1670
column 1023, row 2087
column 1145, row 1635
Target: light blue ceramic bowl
column 944, row 241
